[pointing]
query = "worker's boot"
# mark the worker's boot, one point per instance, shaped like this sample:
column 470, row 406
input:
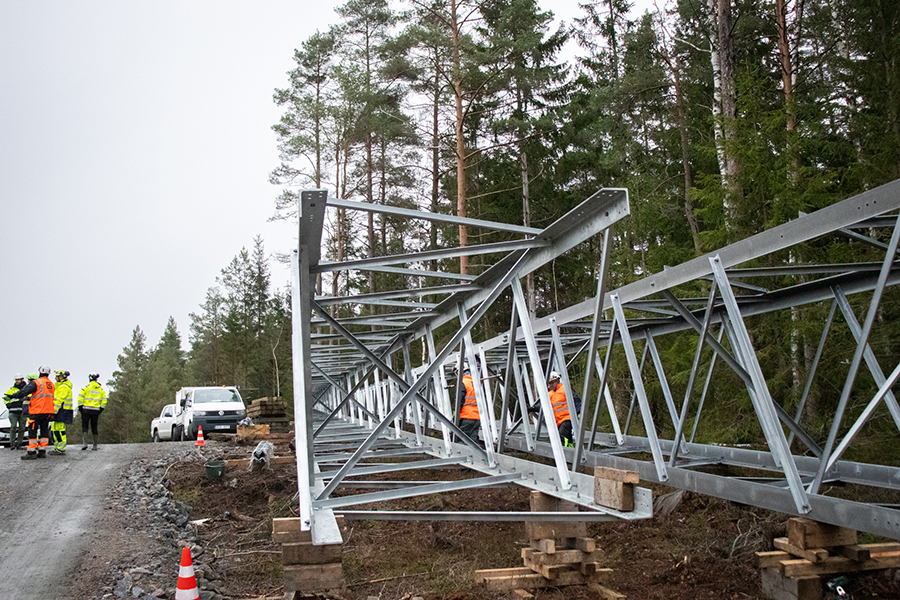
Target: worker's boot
column 29, row 456
column 84, row 440
column 42, row 453
column 95, row 442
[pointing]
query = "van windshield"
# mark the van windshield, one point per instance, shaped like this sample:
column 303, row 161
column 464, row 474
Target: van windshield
column 216, row 395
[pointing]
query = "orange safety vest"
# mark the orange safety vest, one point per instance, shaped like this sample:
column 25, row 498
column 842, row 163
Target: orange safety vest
column 41, row 402
column 560, row 406
column 470, row 406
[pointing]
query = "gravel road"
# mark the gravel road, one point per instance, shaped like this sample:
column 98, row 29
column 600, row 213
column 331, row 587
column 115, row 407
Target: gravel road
column 62, row 520
column 47, row 510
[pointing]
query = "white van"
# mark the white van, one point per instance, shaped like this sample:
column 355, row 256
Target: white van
column 216, row 409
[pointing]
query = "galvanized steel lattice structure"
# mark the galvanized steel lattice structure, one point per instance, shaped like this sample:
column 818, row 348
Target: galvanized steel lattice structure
column 355, row 416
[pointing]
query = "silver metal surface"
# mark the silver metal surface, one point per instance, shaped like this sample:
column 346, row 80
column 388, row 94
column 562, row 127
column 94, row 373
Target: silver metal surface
column 371, row 417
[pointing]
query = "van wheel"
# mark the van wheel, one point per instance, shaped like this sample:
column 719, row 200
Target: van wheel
column 156, row 435
column 181, row 437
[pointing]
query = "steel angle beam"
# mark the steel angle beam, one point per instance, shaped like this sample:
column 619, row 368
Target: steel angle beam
column 544, row 478
column 489, row 516
column 872, row 203
column 871, row 518
column 406, row 293
column 364, row 469
column 431, row 216
column 420, row 490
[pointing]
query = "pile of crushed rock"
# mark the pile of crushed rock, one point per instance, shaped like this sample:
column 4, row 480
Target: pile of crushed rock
column 162, row 525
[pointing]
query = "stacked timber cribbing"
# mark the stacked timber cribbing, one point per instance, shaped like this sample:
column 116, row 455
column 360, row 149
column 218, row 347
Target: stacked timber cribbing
column 560, row 554
column 307, row 567
column 271, row 412
column 814, row 552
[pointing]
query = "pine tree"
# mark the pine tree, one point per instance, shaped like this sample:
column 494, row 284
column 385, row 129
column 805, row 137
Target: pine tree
column 127, row 404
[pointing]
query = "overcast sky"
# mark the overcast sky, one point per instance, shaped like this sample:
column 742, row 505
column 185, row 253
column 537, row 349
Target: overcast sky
column 135, row 147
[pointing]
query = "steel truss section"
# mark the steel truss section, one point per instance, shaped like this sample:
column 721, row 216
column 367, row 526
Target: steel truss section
column 358, row 415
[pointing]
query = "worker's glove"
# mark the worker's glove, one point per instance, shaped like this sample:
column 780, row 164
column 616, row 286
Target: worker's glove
column 534, row 409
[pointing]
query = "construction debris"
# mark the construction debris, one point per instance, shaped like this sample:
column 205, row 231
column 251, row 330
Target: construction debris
column 813, row 550
column 262, row 456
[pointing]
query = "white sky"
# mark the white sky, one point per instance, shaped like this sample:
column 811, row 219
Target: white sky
column 135, row 147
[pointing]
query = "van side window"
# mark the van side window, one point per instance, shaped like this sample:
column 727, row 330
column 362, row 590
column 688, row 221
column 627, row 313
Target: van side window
column 167, row 412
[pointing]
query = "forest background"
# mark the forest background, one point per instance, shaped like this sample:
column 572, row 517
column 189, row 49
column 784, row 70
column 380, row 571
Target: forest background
column 722, row 118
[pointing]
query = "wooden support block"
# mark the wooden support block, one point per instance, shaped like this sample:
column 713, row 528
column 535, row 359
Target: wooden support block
column 523, row 578
column 866, row 551
column 549, row 571
column 545, row 545
column 772, row 559
column 308, row 554
column 614, row 488
column 605, row 592
column 247, row 432
column 617, row 475
column 538, row 530
column 585, row 544
column 560, row 557
column 815, row 555
column 588, row 568
column 778, row 587
column 806, row 533
column 290, row 530
column 308, row 578
column 840, row 564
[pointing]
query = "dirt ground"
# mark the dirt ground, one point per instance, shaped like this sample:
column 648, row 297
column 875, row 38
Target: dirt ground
column 703, row 550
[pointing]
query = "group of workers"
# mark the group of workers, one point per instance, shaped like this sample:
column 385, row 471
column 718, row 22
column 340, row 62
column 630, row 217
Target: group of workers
column 44, row 408
column 469, row 419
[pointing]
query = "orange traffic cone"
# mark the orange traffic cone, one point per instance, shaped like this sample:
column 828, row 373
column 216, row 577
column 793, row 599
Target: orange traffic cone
column 187, row 583
column 200, row 441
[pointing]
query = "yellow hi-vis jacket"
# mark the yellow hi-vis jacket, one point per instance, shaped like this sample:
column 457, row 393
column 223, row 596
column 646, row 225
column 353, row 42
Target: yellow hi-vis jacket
column 62, row 401
column 92, row 397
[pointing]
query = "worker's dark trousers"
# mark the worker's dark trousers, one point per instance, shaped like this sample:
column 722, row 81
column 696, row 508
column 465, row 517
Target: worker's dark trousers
column 565, row 433
column 18, row 430
column 89, row 417
column 470, row 427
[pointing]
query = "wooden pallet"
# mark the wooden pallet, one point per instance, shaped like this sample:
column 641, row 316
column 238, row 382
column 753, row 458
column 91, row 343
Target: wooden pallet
column 813, row 550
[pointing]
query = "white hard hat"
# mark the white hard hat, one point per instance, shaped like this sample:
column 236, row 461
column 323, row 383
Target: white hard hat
column 554, row 376
column 44, row 370
column 19, row 376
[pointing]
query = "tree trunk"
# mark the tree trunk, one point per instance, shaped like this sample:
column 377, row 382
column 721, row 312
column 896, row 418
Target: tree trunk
column 460, row 141
column 526, row 221
column 685, row 158
column 725, row 106
column 435, row 164
column 788, row 78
